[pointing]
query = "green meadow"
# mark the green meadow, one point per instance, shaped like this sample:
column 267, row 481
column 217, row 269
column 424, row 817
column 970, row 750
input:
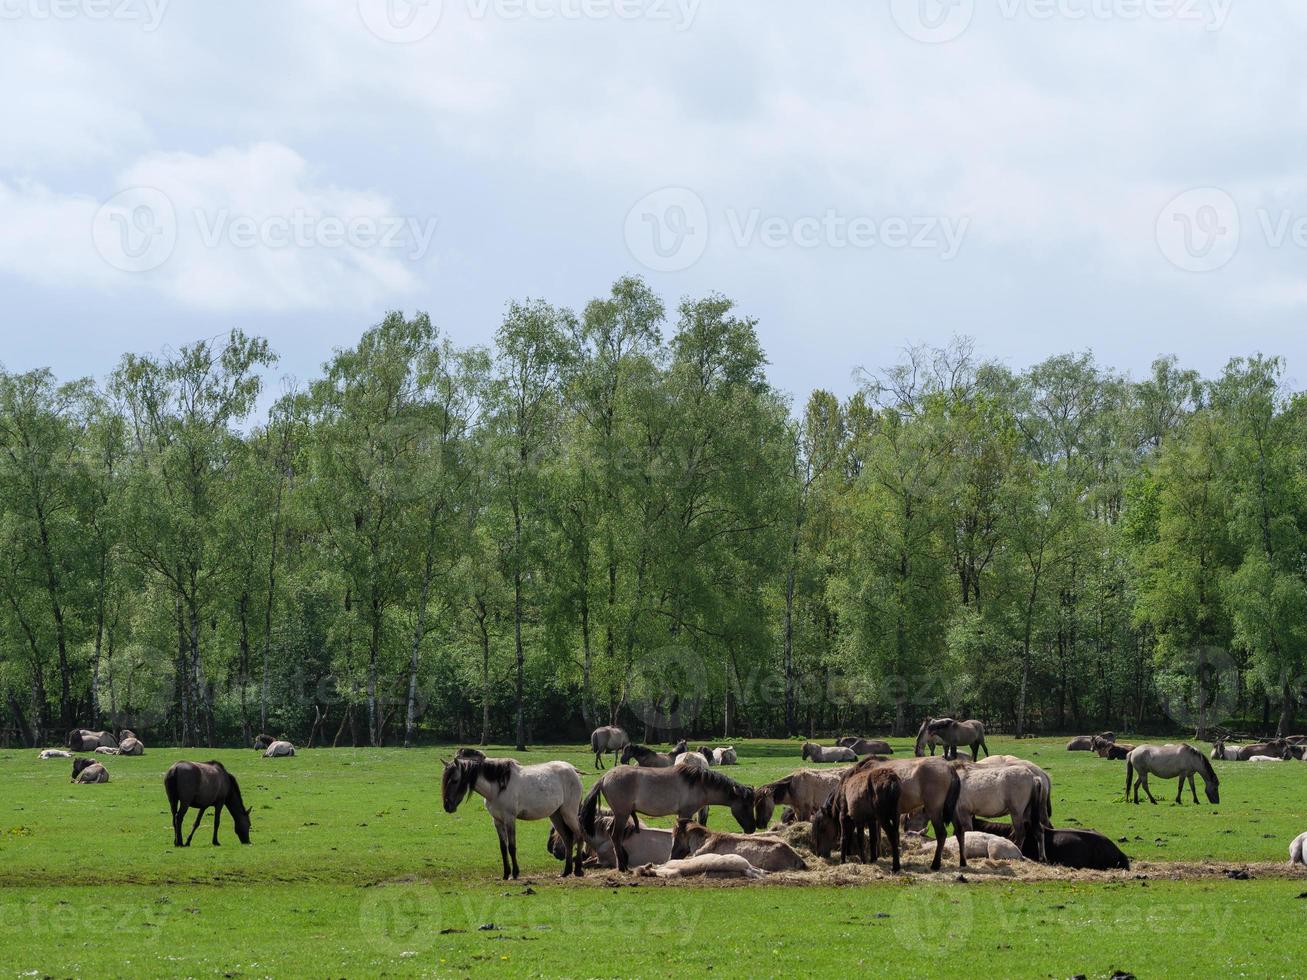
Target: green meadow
column 356, row 870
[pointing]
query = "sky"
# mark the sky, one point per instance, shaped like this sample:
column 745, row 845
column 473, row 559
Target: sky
column 1122, row 176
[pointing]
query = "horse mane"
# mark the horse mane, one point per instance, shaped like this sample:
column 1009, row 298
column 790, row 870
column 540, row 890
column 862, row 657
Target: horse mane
column 497, row 771
column 1208, row 771
column 219, row 765
column 640, row 751
column 778, row 790
column 713, row 779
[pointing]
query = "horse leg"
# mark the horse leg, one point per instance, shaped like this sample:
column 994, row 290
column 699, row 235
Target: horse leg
column 615, row 834
column 564, row 834
column 217, row 812
column 1179, row 790
column 178, row 815
column 198, row 817
column 1143, row 781
column 960, row 827
column 503, row 846
column 702, row 816
column 938, row 827
column 510, row 826
column 1192, row 788
column 891, row 826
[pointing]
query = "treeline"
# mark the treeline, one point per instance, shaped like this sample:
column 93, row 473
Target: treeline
column 612, row 516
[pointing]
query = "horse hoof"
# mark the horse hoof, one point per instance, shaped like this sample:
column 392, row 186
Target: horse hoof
column 579, row 873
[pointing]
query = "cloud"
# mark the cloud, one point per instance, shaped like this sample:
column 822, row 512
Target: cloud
column 237, row 229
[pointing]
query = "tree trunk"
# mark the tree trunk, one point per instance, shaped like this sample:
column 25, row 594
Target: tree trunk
column 481, row 616
column 788, row 654
column 517, row 626
column 374, row 649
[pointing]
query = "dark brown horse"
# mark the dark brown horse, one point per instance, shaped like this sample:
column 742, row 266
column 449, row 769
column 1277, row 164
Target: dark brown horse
column 204, row 785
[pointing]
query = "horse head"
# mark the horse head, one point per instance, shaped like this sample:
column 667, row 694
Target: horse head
column 742, row 808
column 920, row 748
column 681, row 839
column 627, row 754
column 825, row 830
column 242, row 821
column 457, row 782
column 764, row 805
column 807, row 748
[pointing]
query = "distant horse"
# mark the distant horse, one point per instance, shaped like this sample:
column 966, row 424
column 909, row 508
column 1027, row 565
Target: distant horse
column 204, row 785
column 262, row 741
column 641, row 755
column 278, row 749
column 89, row 771
column 1111, row 750
column 723, row 756
column 85, row 740
column 768, row 853
column 804, row 791
column 1168, row 762
column 824, row 753
column 516, row 792
column 1278, row 748
column 130, row 745
column 866, row 746
column 1220, row 750
column 105, row 750
column 951, row 734
column 55, row 754
column 610, row 738
column 682, row 790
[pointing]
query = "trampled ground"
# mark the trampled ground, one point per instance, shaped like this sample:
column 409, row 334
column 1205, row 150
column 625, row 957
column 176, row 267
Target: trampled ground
column 356, row 870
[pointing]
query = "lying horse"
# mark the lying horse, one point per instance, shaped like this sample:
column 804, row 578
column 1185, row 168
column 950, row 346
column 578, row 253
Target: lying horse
column 1168, row 762
column 55, row 754
column 723, row 756
column 866, row 746
column 262, row 741
column 641, row 755
column 279, row 749
column 1068, row 848
column 804, row 791
column 85, row 740
column 609, row 738
column 706, row 865
column 1296, row 855
column 515, row 792
column 131, row 745
column 768, row 853
column 204, row 785
column 951, row 734
column 89, row 771
column 981, row 845
column 824, row 753
column 1111, row 750
column 682, row 790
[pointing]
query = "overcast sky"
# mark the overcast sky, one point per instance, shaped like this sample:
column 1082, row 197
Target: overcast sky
column 1044, row 175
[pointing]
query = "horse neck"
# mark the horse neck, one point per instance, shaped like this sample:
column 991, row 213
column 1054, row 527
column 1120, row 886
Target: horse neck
column 234, row 802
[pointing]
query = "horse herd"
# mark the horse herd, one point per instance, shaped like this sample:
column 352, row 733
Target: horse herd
column 847, row 809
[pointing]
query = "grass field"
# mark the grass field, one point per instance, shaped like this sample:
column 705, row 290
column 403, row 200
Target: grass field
column 355, row 870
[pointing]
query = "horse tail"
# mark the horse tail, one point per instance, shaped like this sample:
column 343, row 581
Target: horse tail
column 594, row 741
column 590, row 809
column 170, row 787
column 951, row 799
column 982, row 745
column 1129, row 777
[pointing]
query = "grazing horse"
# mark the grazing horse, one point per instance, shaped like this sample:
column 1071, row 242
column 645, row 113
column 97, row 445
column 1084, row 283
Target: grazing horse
column 768, row 853
column 1168, row 762
column 682, row 790
column 644, row 845
column 610, row 738
column 515, row 792
column 824, row 753
column 85, row 740
column 804, row 791
column 866, row 746
column 930, row 785
column 204, row 785
column 278, row 749
column 1086, row 849
column 951, row 734
column 89, row 771
column 998, row 790
column 866, row 801
column 641, row 755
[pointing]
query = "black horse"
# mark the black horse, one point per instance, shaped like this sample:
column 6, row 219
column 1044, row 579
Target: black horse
column 204, row 785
